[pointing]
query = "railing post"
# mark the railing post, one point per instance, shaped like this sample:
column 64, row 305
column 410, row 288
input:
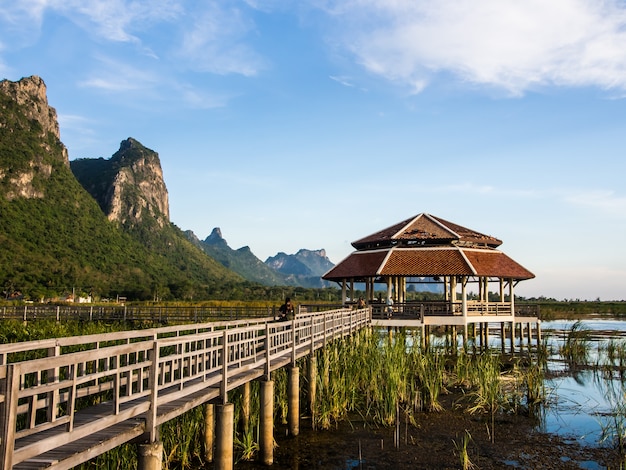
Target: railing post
column 293, row 341
column 9, row 388
column 224, row 384
column 154, row 391
column 267, row 351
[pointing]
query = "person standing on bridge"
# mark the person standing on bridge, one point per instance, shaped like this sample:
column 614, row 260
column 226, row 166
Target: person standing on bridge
column 286, row 311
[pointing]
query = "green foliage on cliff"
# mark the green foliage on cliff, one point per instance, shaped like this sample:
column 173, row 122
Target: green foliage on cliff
column 55, row 239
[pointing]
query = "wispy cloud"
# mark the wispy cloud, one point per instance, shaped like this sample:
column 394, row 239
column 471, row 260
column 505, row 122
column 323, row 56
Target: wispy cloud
column 202, row 99
column 606, row 201
column 209, row 36
column 117, row 76
column 112, row 20
column 345, row 81
column 507, row 44
column 603, row 200
column 216, row 40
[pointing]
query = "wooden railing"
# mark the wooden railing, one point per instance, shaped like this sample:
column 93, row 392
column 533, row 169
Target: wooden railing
column 418, row 310
column 134, row 313
column 111, row 388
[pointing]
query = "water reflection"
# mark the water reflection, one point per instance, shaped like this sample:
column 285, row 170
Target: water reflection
column 585, row 400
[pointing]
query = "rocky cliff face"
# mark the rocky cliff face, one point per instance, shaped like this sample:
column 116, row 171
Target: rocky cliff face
column 129, row 187
column 25, row 111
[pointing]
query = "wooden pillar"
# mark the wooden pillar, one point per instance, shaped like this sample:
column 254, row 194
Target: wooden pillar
column 266, row 437
column 225, row 414
column 312, row 386
column 502, row 336
column 512, row 297
column 512, row 335
column 150, row 456
column 293, row 392
column 245, row 407
column 453, row 338
column 343, row 292
column 538, row 333
column 209, row 431
column 464, row 297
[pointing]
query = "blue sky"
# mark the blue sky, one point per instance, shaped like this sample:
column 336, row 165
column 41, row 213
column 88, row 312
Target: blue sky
column 312, row 123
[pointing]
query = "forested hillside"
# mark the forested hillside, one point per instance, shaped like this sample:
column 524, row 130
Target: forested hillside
column 54, row 237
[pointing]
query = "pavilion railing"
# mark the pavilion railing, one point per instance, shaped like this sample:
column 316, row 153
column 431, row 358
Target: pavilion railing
column 418, row 310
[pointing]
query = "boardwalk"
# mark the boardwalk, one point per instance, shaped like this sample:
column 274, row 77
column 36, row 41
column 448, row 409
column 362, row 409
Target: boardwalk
column 85, row 395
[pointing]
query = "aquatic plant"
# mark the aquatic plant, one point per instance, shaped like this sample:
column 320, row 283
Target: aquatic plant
column 464, row 459
column 575, row 349
column 487, row 395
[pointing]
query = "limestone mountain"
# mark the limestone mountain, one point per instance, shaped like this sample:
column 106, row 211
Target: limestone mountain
column 303, row 263
column 307, row 266
column 55, row 237
column 128, row 187
column 241, row 260
column 304, row 269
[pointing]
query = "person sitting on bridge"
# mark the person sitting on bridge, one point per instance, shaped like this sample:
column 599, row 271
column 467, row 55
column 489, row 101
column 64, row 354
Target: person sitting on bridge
column 286, row 311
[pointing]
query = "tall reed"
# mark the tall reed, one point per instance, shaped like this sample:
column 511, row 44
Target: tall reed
column 575, row 349
column 487, row 395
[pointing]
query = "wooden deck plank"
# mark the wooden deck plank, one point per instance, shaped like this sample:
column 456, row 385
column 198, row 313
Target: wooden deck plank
column 75, row 453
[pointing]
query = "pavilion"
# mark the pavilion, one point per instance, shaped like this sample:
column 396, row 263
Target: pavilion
column 429, row 249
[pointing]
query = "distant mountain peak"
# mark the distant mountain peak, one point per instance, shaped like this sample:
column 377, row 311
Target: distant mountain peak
column 216, row 238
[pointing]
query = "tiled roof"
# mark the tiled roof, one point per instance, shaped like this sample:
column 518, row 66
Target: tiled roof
column 428, row 261
column 496, row 263
column 358, row 264
column 425, row 229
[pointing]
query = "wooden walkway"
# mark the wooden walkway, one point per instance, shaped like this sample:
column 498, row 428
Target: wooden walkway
column 83, row 396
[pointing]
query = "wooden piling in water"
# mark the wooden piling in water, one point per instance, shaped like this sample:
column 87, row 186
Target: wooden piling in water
column 266, row 437
column 150, row 456
column 312, row 385
column 293, row 391
column 209, row 431
column 245, row 411
column 225, row 415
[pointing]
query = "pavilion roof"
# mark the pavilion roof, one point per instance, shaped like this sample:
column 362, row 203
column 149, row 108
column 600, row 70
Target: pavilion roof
column 426, row 245
column 425, row 229
column 428, row 261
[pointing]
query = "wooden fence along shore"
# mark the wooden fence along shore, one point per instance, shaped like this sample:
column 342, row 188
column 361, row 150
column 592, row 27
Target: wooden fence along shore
column 86, row 395
column 134, row 313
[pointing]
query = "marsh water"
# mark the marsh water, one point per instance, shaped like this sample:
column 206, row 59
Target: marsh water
column 585, row 399
column 580, row 425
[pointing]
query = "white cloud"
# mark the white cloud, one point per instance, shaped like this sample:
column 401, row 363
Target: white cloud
column 507, row 44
